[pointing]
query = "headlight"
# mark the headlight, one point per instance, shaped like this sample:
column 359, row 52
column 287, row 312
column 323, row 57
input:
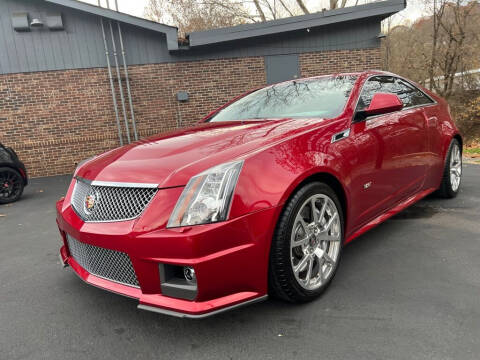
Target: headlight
column 207, row 196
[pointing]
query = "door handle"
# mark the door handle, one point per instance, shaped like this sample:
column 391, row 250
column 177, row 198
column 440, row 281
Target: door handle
column 341, row 135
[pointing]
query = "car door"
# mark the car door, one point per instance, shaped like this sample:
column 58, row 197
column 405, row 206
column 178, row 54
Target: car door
column 391, row 151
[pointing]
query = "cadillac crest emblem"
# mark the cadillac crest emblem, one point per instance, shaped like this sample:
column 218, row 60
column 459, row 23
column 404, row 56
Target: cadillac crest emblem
column 89, row 203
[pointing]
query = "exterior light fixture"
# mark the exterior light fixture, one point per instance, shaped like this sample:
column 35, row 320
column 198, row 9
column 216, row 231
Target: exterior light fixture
column 36, row 23
column 189, row 274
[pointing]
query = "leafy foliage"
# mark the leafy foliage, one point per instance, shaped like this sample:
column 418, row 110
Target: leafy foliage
column 195, row 15
column 442, row 51
column 467, row 117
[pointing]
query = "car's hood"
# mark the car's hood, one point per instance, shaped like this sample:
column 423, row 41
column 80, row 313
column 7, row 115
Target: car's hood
column 173, row 158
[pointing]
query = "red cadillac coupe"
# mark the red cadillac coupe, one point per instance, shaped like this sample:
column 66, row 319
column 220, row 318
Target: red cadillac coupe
column 260, row 196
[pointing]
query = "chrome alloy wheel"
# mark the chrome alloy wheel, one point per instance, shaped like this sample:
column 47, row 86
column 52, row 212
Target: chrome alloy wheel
column 315, row 241
column 455, row 167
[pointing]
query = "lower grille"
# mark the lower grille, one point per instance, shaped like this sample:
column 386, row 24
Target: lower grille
column 105, row 263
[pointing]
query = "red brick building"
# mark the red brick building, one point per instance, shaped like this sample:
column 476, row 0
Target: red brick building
column 56, row 103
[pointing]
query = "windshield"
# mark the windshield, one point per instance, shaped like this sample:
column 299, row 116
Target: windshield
column 323, row 97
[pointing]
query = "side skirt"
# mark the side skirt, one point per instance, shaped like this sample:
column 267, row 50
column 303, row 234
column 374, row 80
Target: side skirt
column 393, row 211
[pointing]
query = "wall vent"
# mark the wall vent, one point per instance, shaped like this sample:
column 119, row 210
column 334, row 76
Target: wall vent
column 55, row 22
column 20, row 21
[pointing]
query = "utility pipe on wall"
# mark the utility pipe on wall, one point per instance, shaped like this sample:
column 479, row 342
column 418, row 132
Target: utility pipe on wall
column 122, row 98
column 110, row 76
column 127, row 80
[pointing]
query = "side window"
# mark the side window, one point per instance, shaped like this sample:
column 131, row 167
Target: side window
column 408, row 94
column 376, row 84
column 404, row 92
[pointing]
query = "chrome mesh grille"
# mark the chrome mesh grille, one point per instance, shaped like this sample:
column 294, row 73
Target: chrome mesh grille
column 105, row 263
column 110, row 203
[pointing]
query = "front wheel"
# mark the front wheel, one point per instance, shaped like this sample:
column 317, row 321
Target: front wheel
column 307, row 244
column 452, row 175
column 11, row 185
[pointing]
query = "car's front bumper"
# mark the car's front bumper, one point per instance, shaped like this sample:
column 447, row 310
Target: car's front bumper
column 230, row 259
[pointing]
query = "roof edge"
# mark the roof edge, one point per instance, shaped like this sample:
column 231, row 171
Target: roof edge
column 171, row 32
column 382, row 9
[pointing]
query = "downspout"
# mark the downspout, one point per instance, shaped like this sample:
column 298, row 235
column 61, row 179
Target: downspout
column 122, row 98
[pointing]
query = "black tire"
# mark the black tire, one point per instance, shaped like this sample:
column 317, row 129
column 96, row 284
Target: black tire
column 446, row 189
column 11, row 185
column 282, row 281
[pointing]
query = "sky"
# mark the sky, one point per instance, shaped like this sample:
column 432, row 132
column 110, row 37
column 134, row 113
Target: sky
column 136, row 7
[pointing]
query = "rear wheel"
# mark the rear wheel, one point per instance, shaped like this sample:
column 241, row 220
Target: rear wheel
column 452, row 175
column 11, row 185
column 307, row 244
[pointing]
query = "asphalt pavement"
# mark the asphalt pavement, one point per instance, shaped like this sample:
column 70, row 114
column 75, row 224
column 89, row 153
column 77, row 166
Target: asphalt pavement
column 408, row 289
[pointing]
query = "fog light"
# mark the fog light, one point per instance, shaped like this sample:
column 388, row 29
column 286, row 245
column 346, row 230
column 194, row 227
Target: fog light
column 178, row 281
column 189, row 274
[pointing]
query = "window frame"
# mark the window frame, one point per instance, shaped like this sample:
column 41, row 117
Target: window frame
column 396, row 77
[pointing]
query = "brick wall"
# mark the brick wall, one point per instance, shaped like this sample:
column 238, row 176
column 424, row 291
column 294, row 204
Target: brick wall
column 55, row 119
column 209, row 84
column 329, row 62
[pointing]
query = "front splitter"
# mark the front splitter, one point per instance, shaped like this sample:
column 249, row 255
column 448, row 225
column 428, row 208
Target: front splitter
column 200, row 316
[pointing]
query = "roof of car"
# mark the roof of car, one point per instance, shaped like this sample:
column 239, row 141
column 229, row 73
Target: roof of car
column 356, row 73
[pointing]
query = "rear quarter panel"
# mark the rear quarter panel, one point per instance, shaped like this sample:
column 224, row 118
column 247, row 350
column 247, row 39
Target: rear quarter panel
column 441, row 132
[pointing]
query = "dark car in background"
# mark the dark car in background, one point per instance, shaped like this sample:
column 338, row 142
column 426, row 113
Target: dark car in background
column 13, row 175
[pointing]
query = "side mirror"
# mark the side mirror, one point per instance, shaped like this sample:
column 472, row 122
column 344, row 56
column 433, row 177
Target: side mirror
column 384, row 103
